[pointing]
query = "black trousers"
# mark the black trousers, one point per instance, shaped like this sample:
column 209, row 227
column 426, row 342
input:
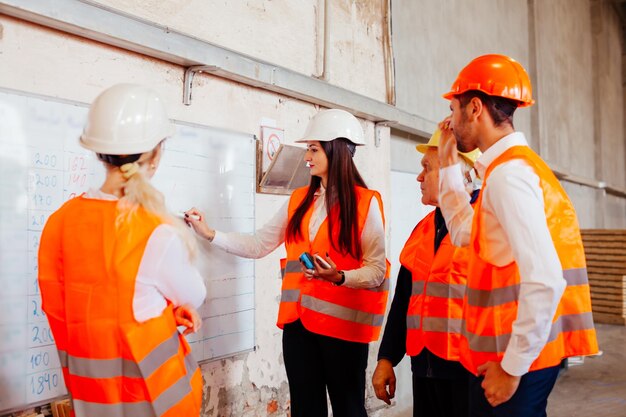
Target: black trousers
column 530, row 399
column 317, row 363
column 439, row 397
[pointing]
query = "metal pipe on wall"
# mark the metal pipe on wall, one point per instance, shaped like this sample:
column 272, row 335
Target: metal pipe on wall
column 321, row 44
column 390, row 74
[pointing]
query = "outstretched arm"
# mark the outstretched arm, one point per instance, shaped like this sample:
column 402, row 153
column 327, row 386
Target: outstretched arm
column 255, row 246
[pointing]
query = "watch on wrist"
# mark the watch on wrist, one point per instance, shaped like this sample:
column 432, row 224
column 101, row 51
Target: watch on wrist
column 342, row 280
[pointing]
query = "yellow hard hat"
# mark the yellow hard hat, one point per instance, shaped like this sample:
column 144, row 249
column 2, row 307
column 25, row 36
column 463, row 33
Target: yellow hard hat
column 433, row 142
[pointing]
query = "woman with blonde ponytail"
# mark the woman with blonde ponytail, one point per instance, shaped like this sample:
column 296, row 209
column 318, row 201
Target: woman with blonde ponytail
column 116, row 276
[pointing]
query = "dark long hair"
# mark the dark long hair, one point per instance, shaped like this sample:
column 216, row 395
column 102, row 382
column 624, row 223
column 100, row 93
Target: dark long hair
column 342, row 178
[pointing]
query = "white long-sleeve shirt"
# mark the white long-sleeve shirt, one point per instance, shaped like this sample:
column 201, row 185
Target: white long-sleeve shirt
column 516, row 229
column 272, row 235
column 165, row 272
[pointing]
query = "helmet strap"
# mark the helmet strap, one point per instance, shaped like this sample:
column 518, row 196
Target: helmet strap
column 351, row 148
column 118, row 160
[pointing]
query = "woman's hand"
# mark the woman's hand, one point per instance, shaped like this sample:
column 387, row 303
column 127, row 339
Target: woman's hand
column 327, row 272
column 195, row 218
column 186, row 315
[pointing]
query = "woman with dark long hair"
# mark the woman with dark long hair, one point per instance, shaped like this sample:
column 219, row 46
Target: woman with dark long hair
column 331, row 308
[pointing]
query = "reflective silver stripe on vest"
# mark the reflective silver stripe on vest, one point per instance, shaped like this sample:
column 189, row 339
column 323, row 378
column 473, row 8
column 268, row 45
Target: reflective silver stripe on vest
column 576, row 276
column 168, row 399
column 566, row 323
column 159, row 355
column 479, row 343
column 417, row 288
column 174, row 394
column 117, row 367
column 341, row 312
column 102, row 368
column 494, row 297
column 443, row 290
column 498, row 296
column 289, row 296
column 290, row 267
column 571, row 323
column 63, row 358
column 90, row 409
column 442, row 324
column 413, row 321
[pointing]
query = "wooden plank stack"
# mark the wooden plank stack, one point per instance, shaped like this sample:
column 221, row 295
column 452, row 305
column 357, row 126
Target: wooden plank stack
column 605, row 250
column 61, row 408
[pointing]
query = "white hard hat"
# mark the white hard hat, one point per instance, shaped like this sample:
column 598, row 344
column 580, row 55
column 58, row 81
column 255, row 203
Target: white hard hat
column 331, row 124
column 126, row 119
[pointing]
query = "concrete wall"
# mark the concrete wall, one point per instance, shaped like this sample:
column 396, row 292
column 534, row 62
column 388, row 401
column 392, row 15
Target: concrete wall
column 610, row 146
column 609, row 99
column 286, row 33
column 73, row 68
column 572, row 50
column 577, row 124
column 434, row 39
column 565, row 84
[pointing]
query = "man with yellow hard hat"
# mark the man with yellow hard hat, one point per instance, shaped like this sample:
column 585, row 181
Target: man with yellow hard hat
column 527, row 303
column 424, row 320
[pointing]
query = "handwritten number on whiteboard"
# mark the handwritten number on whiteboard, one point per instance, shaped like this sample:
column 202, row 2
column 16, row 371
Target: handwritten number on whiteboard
column 45, row 160
column 38, row 220
column 40, row 358
column 45, row 381
column 37, row 312
column 43, row 336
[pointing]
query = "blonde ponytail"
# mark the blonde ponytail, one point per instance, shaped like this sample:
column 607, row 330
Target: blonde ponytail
column 139, row 192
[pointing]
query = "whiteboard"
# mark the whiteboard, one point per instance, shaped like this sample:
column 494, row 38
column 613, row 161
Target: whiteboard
column 42, row 165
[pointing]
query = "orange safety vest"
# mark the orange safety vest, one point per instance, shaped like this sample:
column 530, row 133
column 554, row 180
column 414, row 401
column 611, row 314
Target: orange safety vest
column 350, row 314
column 490, row 305
column 435, row 312
column 112, row 365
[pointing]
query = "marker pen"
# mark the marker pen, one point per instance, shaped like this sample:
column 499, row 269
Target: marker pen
column 181, row 214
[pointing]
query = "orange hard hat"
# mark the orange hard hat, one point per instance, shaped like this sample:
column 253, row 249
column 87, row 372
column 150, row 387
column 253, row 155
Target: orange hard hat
column 495, row 75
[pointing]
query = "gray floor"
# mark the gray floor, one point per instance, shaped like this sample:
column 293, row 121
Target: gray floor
column 596, row 388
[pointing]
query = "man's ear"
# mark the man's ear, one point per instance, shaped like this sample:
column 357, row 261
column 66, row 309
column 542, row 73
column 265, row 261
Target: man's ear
column 475, row 108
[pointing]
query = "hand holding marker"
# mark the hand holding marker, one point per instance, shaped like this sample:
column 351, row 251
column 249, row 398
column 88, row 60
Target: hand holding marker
column 196, row 219
column 182, row 215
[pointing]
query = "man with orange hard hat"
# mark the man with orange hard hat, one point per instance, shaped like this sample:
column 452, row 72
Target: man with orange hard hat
column 527, row 303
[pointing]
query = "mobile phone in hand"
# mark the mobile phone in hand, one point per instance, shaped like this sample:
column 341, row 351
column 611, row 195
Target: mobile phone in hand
column 307, row 260
column 322, row 262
